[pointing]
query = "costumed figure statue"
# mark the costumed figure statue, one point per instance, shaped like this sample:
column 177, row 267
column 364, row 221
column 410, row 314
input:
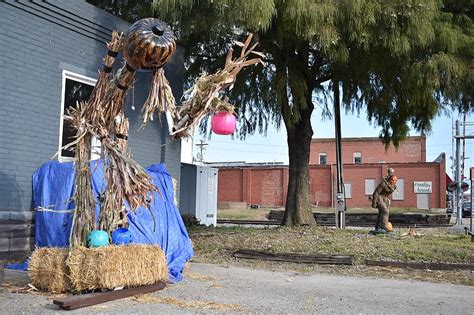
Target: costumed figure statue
column 381, row 202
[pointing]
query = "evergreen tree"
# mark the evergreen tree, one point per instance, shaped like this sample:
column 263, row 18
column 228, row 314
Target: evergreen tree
column 400, row 60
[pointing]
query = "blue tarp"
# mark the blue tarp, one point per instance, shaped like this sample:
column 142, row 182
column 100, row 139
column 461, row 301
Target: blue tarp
column 53, row 189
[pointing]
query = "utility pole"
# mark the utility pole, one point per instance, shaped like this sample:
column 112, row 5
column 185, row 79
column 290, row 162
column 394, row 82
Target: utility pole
column 463, row 146
column 453, row 161
column 458, row 198
column 201, row 146
column 340, row 195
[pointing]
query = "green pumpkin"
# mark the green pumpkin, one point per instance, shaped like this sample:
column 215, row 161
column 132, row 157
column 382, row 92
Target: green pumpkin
column 149, row 43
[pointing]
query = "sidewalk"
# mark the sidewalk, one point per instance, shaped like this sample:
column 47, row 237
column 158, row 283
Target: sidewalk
column 215, row 289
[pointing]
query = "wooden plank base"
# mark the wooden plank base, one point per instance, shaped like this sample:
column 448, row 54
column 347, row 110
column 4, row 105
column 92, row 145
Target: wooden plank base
column 83, row 300
column 296, row 258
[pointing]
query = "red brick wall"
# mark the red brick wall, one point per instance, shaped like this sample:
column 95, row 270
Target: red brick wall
column 230, row 185
column 321, row 183
column 356, row 176
column 372, row 150
column 434, row 172
column 268, row 186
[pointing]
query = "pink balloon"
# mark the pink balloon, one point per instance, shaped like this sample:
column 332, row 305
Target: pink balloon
column 223, row 123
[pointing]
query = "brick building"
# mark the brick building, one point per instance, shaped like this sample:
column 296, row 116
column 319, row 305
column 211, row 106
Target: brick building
column 420, row 184
column 368, row 150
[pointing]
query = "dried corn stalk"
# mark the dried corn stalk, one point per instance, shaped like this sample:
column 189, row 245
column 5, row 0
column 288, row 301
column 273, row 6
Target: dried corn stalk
column 103, row 118
column 81, row 118
column 130, row 181
column 160, row 97
column 121, row 128
column 114, row 99
column 204, row 96
column 84, row 213
column 112, row 210
column 92, row 111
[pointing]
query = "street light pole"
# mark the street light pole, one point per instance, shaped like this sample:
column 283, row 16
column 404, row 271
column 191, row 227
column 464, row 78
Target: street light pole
column 471, row 177
column 340, row 200
column 458, row 179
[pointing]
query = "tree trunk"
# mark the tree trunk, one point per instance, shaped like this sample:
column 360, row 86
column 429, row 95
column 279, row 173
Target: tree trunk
column 298, row 201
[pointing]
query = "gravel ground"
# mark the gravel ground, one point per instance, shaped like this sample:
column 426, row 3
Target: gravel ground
column 216, row 289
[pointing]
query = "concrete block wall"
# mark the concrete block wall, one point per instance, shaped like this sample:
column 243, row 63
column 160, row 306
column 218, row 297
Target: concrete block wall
column 41, row 39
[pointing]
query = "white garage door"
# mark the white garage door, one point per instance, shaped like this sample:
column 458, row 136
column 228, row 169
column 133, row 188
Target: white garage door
column 423, row 201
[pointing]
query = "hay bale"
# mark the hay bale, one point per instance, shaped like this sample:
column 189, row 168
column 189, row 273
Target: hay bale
column 48, row 271
column 83, row 273
column 88, row 269
column 116, row 266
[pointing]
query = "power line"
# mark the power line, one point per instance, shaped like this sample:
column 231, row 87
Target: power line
column 247, row 151
column 285, row 145
column 259, row 144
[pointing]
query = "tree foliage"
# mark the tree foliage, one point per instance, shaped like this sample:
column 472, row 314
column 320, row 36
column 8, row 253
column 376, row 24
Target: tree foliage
column 377, row 49
column 401, row 61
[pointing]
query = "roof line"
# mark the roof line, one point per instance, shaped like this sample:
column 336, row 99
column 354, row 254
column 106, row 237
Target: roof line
column 363, row 139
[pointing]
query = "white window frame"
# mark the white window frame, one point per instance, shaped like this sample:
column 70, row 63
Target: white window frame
column 355, row 155
column 399, row 193
column 348, row 190
column 319, row 158
column 370, row 185
column 82, row 79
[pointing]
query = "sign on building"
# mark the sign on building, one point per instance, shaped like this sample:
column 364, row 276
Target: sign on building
column 422, row 187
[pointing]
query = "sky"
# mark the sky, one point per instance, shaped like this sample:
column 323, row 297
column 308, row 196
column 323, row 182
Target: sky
column 273, row 147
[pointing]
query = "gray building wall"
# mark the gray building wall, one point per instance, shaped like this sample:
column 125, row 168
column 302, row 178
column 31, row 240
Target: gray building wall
column 40, row 39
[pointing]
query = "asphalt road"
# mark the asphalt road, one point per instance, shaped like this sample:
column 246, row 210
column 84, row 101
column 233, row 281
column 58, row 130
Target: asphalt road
column 215, row 289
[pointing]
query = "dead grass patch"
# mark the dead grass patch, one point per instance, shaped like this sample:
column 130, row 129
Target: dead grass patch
column 203, row 305
column 216, row 245
column 199, row 277
column 241, row 214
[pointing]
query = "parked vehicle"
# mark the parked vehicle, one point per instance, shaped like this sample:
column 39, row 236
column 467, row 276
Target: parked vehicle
column 466, row 209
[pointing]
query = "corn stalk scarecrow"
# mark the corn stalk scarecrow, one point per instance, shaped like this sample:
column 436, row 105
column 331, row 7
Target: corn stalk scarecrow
column 148, row 45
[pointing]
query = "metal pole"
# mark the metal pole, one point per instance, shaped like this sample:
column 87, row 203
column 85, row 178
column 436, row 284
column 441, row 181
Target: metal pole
column 463, row 154
column 458, row 198
column 453, row 163
column 471, row 177
column 340, row 195
column 453, row 130
column 470, row 221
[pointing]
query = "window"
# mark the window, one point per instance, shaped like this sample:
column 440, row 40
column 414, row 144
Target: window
column 357, row 157
column 76, row 88
column 399, row 193
column 348, row 190
column 322, row 158
column 369, row 186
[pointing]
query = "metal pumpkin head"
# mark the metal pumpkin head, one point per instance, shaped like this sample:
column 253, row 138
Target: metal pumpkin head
column 149, row 43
